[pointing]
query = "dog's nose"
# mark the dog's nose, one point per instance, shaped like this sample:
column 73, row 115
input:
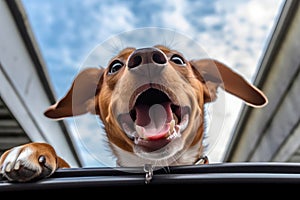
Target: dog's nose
column 146, row 56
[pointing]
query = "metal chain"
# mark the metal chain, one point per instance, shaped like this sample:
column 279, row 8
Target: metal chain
column 149, row 173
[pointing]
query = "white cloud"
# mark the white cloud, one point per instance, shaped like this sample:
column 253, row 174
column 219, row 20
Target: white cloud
column 174, row 16
column 246, row 29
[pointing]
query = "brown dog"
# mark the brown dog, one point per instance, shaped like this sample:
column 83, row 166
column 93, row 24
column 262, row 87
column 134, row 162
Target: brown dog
column 151, row 102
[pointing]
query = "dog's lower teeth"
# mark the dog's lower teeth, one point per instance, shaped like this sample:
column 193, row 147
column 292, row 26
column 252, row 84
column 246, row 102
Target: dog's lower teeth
column 139, row 130
column 172, row 125
column 175, row 118
column 171, row 130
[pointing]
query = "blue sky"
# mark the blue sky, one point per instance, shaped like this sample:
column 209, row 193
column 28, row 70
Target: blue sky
column 234, row 32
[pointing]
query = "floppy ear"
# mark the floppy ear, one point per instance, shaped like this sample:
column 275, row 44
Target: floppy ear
column 216, row 74
column 80, row 98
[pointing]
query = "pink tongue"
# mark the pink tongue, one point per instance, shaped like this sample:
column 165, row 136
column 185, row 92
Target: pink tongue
column 154, row 119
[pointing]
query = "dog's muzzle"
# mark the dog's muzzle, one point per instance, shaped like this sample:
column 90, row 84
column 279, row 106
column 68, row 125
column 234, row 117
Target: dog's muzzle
column 154, row 120
column 155, row 117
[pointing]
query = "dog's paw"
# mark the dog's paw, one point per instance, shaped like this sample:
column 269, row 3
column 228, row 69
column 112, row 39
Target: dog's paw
column 28, row 162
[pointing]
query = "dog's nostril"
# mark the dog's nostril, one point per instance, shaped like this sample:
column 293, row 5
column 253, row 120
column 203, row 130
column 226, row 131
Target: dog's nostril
column 159, row 58
column 135, row 61
column 146, row 56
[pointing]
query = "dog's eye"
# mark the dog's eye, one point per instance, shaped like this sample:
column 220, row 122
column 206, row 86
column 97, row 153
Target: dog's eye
column 115, row 66
column 178, row 60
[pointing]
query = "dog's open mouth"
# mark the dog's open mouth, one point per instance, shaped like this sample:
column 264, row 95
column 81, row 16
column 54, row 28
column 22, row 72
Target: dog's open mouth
column 155, row 118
